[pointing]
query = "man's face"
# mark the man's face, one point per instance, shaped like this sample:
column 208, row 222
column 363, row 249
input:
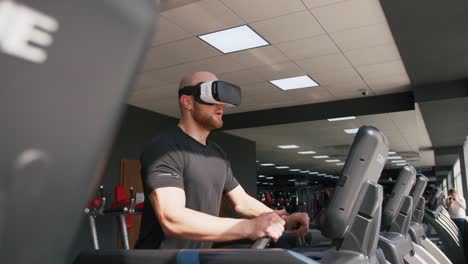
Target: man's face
column 208, row 116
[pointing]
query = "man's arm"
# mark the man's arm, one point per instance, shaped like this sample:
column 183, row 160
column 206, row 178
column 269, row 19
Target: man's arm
column 247, row 206
column 177, row 220
column 461, row 202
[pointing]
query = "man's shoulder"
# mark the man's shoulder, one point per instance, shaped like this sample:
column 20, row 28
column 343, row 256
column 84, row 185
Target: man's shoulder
column 168, row 138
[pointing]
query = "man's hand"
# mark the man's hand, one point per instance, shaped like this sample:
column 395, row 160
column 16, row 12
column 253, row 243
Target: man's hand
column 298, row 223
column 267, row 225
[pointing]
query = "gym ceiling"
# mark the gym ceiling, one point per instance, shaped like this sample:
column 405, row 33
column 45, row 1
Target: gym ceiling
column 398, row 65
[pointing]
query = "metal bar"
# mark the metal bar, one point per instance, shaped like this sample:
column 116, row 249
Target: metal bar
column 123, row 231
column 92, row 226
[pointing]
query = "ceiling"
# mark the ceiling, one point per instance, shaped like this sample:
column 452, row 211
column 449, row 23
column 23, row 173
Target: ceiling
column 345, row 56
column 345, row 46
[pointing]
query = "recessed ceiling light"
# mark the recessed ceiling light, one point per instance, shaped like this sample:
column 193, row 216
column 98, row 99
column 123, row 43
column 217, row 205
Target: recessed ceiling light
column 291, row 180
column 340, row 163
column 307, row 152
column 282, row 167
column 234, row 39
column 394, row 157
column 398, row 161
column 333, row 160
column 391, row 152
column 294, row 170
column 321, row 174
column 265, row 183
column 321, row 157
column 313, row 172
column 294, row 82
column 288, row 146
column 261, row 176
column 401, row 164
column 341, row 118
column 269, row 178
column 267, row 164
column 304, row 171
column 351, row 130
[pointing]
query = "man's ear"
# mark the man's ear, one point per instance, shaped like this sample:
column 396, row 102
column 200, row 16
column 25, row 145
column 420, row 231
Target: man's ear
column 186, row 102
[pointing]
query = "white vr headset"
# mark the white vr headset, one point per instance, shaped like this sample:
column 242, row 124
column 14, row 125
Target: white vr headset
column 214, row 92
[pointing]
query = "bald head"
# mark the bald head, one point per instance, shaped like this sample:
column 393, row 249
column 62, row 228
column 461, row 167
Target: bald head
column 197, row 77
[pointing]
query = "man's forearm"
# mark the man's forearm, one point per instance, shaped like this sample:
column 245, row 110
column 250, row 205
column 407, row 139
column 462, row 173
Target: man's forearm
column 251, row 207
column 462, row 205
column 193, row 225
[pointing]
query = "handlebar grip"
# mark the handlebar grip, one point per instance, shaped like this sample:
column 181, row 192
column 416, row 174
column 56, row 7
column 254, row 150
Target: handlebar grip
column 261, row 243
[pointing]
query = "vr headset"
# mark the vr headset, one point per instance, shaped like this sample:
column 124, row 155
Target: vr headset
column 214, row 92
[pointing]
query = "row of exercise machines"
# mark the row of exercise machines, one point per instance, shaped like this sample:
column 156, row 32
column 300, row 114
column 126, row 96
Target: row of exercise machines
column 352, row 222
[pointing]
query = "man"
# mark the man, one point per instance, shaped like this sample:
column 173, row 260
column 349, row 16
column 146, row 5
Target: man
column 185, row 176
column 456, row 206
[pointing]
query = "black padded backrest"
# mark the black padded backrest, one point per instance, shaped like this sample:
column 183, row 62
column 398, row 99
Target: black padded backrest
column 400, row 190
column 418, row 190
column 60, row 118
column 365, row 162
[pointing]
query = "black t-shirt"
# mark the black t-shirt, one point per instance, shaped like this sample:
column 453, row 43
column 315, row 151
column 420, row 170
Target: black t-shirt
column 174, row 159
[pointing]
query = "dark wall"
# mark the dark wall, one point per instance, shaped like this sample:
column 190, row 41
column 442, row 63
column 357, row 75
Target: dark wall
column 138, row 126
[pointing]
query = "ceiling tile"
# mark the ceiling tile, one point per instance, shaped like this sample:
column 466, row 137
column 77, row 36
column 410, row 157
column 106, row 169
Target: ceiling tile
column 342, row 93
column 203, row 17
column 319, row 3
column 389, row 84
column 288, row 27
column 241, row 77
column 242, row 60
column 327, row 63
column 221, row 64
column 178, row 52
column 373, row 55
column 278, row 71
column 259, row 56
column 309, row 47
column 350, row 85
column 336, row 77
column 251, row 11
column 376, row 71
column 349, row 14
column 254, row 93
column 262, row 73
column 168, row 32
column 311, row 95
column 363, row 37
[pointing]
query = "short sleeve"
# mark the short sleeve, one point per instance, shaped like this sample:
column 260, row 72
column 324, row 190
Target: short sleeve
column 162, row 165
column 462, row 201
column 231, row 181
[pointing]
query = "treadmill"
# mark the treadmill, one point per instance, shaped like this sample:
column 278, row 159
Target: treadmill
column 394, row 239
column 416, row 229
column 436, row 215
column 352, row 218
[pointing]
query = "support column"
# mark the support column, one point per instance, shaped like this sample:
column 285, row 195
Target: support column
column 464, row 169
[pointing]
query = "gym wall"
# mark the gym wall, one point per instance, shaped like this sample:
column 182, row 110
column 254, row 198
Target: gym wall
column 138, row 126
